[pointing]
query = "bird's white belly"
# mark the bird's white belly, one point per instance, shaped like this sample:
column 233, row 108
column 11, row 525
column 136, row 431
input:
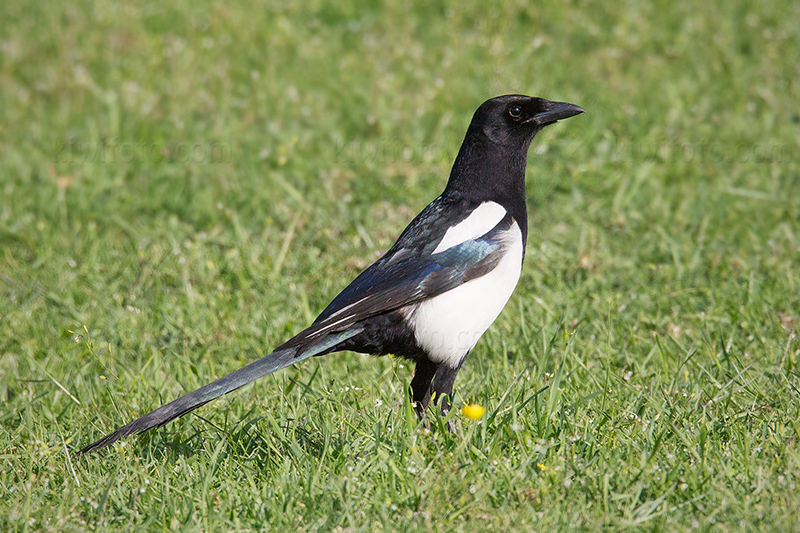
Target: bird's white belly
column 449, row 325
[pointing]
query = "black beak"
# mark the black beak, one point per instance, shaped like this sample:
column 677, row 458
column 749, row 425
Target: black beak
column 557, row 111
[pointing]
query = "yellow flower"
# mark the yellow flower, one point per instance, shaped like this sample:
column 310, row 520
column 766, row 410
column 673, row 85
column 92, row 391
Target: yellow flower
column 541, row 467
column 474, row 411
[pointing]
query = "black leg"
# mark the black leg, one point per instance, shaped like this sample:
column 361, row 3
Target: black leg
column 443, row 388
column 421, row 385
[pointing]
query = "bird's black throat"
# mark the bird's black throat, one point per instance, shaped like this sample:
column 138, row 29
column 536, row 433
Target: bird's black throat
column 486, row 172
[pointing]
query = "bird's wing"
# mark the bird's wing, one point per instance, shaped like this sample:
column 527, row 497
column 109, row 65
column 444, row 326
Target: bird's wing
column 408, row 274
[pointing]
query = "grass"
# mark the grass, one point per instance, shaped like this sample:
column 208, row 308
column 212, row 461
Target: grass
column 186, row 185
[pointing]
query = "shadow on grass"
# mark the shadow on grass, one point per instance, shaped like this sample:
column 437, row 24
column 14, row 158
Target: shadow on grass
column 260, row 440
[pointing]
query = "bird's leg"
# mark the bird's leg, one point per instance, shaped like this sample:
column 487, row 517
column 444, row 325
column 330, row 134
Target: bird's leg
column 442, row 387
column 421, row 387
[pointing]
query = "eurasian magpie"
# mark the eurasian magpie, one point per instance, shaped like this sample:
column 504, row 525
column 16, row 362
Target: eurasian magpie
column 439, row 287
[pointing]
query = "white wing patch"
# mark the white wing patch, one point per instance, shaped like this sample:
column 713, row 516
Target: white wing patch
column 478, row 223
column 449, row 325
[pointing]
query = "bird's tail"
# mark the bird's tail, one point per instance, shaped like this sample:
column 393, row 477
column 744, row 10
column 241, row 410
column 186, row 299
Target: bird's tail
column 273, row 362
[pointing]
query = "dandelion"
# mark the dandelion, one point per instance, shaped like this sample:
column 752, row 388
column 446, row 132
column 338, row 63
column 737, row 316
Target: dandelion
column 541, row 466
column 474, row 411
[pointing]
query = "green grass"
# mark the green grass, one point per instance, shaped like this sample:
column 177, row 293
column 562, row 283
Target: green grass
column 184, row 186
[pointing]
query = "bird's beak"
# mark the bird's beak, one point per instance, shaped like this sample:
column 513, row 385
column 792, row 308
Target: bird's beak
column 557, row 111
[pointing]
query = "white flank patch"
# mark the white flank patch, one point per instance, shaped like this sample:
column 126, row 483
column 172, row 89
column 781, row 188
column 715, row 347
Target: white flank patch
column 485, row 217
column 449, row 325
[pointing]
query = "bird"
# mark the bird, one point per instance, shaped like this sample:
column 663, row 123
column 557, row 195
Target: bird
column 445, row 280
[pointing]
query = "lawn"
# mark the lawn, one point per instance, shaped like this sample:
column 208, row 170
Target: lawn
column 184, row 186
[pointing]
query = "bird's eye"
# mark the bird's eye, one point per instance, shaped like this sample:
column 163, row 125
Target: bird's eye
column 515, row 111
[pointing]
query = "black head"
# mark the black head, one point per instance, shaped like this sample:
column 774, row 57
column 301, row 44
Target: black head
column 514, row 119
column 492, row 159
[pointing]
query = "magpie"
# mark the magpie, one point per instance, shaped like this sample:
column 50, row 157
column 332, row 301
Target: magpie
column 439, row 287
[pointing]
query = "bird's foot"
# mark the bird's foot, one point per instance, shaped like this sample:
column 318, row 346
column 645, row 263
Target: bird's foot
column 450, row 424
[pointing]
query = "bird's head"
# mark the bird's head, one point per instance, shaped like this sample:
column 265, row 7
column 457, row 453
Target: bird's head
column 514, row 119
